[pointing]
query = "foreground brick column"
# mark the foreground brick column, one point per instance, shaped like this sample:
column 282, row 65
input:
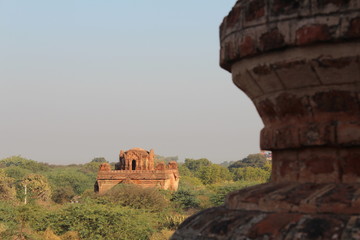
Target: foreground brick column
column 299, row 62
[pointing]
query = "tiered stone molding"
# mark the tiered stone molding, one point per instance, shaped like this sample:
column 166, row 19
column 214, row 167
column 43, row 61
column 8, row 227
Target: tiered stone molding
column 299, row 62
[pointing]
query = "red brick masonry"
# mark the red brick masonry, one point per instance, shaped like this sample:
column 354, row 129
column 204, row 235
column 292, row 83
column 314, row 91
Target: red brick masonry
column 137, row 166
column 299, row 62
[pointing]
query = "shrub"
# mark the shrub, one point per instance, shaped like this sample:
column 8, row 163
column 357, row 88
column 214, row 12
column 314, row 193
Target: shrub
column 63, row 194
column 71, row 235
column 96, row 221
column 220, row 191
column 251, row 174
column 37, row 187
column 173, row 221
column 184, row 171
column 257, row 160
column 33, row 215
column 50, row 235
column 74, row 178
column 24, row 163
column 17, row 172
column 136, row 197
column 190, row 183
column 185, row 199
column 7, row 220
column 164, row 234
column 213, row 174
column 7, row 189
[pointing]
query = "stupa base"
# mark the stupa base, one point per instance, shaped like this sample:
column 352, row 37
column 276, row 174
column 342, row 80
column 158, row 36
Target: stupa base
column 281, row 211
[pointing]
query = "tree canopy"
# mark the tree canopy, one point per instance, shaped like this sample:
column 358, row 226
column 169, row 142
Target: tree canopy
column 195, row 164
column 37, row 187
column 252, row 160
column 124, row 212
column 214, row 174
column 19, row 161
column 99, row 160
column 7, row 188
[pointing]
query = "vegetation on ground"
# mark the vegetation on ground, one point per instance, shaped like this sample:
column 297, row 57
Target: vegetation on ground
column 53, row 202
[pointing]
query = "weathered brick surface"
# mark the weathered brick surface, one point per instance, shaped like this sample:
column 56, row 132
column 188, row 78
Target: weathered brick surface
column 318, row 134
column 247, row 46
column 312, row 33
column 318, row 165
column 301, row 104
column 354, row 28
column 242, row 224
column 348, row 133
column 337, row 71
column 267, row 111
column 297, row 74
column 255, row 10
column 283, row 7
column 245, row 82
column 272, row 39
column 339, row 198
column 266, row 78
column 299, row 62
column 291, row 23
column 350, row 164
column 287, row 166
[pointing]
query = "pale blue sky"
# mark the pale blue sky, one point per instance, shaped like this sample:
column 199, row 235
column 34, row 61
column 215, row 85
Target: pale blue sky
column 86, row 78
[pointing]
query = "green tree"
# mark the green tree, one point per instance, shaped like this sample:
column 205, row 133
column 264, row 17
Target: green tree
column 194, row 165
column 213, row 174
column 36, row 186
column 72, row 177
column 17, row 172
column 267, row 166
column 104, row 222
column 8, row 223
column 221, row 190
column 184, row 171
column 191, row 183
column 252, row 160
column 130, row 195
column 7, row 189
column 19, row 161
column 92, row 167
column 63, row 194
column 99, row 160
column 185, row 199
column 251, row 174
column 226, row 163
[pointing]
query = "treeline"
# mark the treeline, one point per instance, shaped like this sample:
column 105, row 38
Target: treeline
column 54, row 202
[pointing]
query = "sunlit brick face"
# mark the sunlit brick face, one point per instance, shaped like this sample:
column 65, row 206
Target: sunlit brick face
column 299, row 63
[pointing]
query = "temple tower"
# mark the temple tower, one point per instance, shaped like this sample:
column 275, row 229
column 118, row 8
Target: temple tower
column 136, row 166
column 136, row 159
column 299, row 62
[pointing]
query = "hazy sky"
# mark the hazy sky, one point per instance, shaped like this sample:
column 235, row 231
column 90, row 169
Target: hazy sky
column 85, row 78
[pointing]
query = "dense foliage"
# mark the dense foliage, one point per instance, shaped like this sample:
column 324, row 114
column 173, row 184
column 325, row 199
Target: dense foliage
column 252, row 160
column 42, row 201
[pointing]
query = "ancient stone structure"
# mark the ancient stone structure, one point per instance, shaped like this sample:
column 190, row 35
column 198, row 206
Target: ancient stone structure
column 137, row 166
column 299, row 62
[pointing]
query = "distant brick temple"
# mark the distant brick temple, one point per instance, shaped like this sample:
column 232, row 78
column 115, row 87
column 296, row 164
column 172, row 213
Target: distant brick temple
column 299, row 62
column 137, row 166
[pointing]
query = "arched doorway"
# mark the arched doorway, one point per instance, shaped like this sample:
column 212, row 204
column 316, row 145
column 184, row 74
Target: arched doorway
column 133, row 165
